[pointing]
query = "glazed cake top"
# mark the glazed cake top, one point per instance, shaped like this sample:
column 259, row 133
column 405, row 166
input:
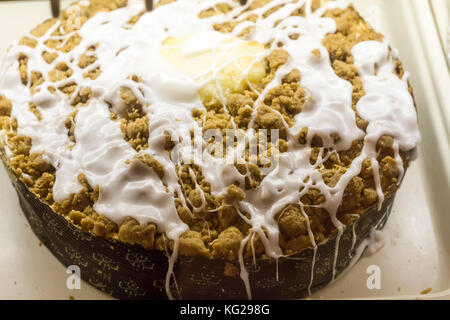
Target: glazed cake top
column 141, row 107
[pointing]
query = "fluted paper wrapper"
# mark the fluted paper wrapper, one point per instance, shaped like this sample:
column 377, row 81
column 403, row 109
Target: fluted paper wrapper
column 127, row 271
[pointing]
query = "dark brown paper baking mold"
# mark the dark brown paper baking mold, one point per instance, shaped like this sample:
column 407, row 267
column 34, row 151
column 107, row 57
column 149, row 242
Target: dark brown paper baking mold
column 128, row 271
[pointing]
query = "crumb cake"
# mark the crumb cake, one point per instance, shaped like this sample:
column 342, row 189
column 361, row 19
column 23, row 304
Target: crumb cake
column 206, row 149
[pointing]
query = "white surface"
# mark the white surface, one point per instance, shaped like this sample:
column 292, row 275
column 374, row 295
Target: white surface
column 441, row 11
column 416, row 254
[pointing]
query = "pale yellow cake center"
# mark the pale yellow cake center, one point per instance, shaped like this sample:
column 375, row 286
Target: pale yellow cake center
column 221, row 63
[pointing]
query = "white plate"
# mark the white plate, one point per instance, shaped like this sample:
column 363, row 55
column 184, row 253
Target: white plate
column 416, row 254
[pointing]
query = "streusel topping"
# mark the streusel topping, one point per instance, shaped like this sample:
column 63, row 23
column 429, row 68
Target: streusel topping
column 111, row 115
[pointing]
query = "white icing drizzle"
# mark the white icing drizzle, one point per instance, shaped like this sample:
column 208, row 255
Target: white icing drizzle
column 128, row 188
column 354, row 232
column 387, row 106
column 313, row 242
column 243, row 272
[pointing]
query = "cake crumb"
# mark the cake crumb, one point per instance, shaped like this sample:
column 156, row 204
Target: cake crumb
column 316, row 53
column 426, row 291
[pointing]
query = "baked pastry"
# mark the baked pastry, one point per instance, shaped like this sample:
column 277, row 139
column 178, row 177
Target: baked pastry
column 244, row 141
